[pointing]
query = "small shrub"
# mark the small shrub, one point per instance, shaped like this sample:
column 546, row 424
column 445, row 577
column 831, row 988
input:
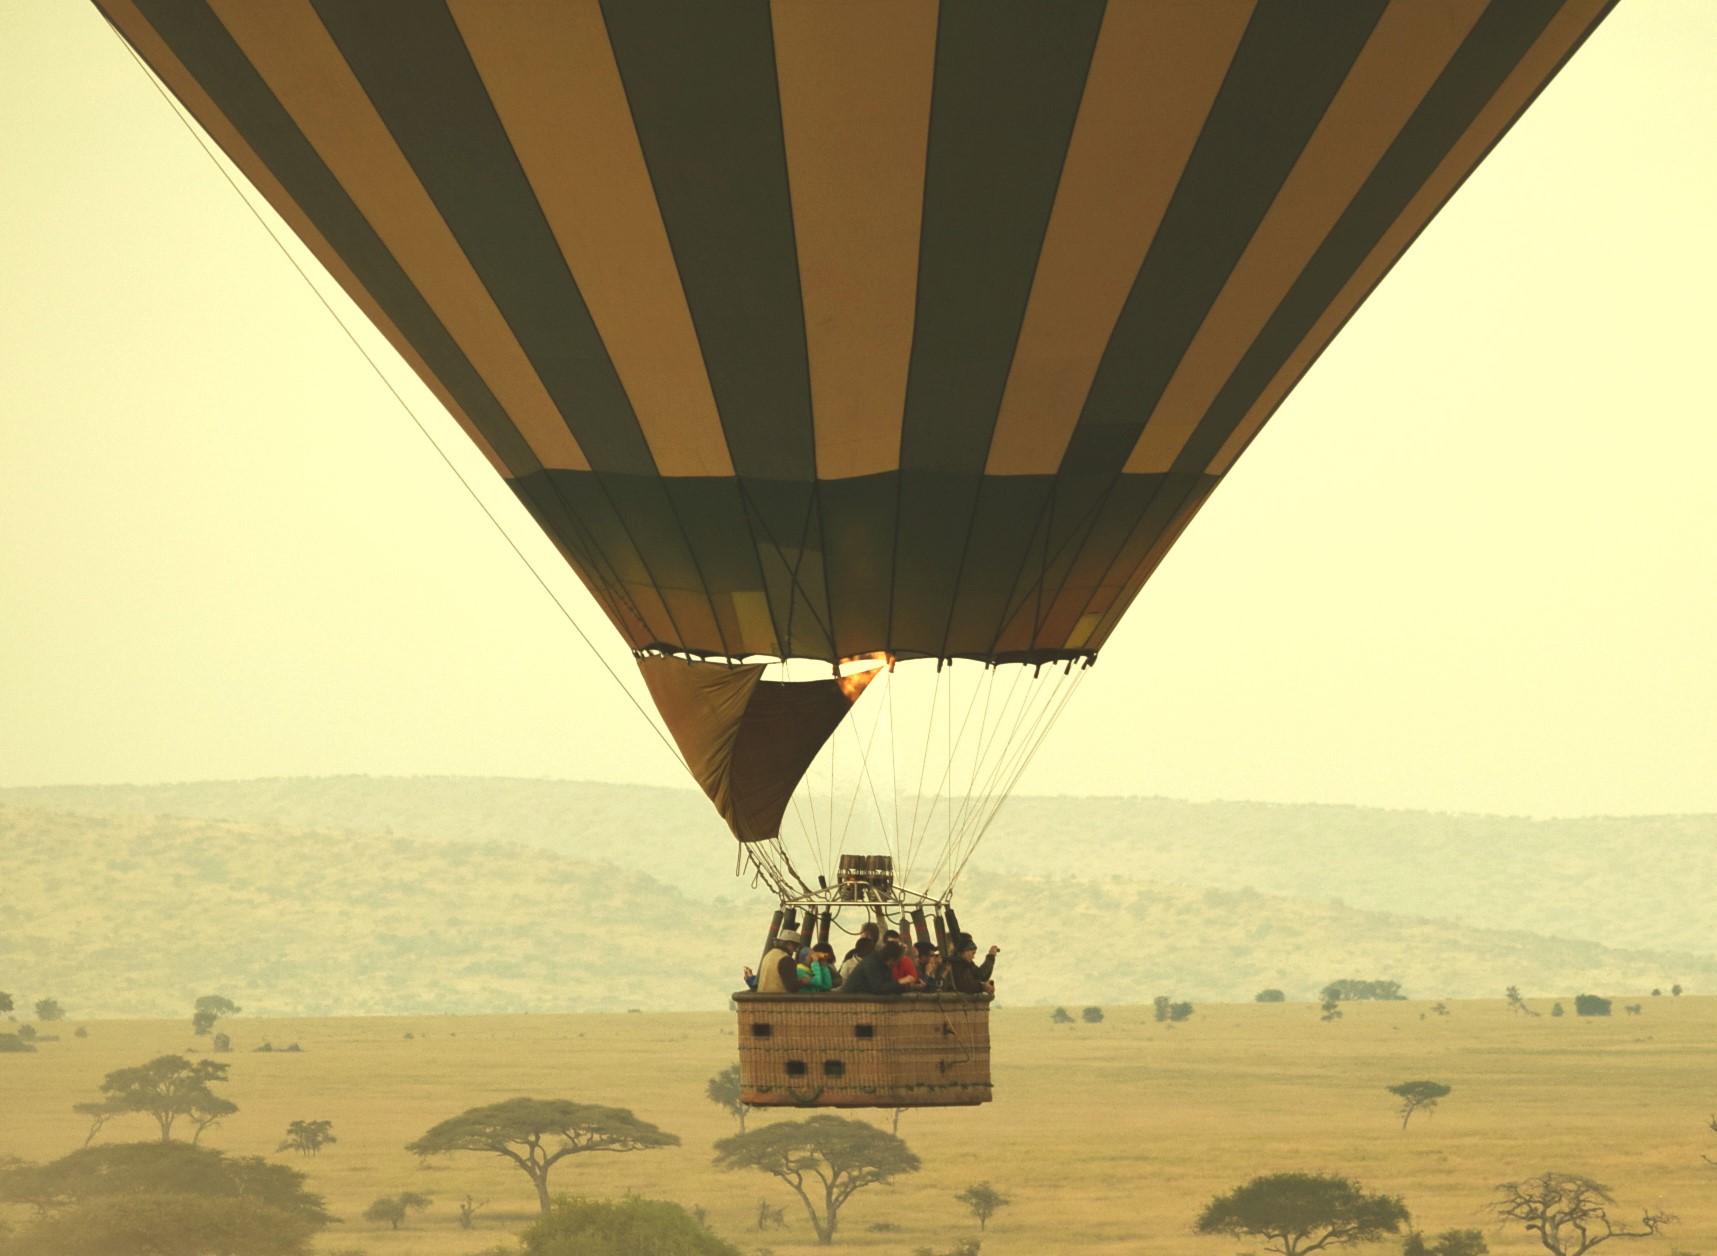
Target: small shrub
column 620, row 1227
column 965, row 1247
column 223, row 1043
column 1272, row 995
column 1557, row 1010
column 27, row 1032
column 80, row 1032
column 393, row 1209
column 1092, row 1016
column 1061, row 1017
column 1448, row 1243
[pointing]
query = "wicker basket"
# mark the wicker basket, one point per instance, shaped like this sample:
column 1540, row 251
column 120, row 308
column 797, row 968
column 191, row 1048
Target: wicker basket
column 864, row 1051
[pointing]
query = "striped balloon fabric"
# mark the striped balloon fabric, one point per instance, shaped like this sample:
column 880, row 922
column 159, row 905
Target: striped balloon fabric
column 819, row 328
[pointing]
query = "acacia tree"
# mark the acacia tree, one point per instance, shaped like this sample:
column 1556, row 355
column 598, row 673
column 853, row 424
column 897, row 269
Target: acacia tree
column 830, row 1154
column 1298, row 1213
column 210, row 1008
column 1517, row 1002
column 1570, row 1214
column 167, row 1088
column 1417, row 1096
column 725, row 1092
column 983, row 1201
column 537, row 1134
column 308, row 1138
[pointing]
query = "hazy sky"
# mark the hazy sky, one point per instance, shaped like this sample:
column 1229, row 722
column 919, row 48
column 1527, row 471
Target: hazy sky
column 1469, row 565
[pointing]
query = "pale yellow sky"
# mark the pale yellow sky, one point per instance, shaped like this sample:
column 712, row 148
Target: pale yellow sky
column 1469, row 566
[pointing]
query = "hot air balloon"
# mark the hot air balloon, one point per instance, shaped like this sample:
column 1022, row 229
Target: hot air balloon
column 863, row 359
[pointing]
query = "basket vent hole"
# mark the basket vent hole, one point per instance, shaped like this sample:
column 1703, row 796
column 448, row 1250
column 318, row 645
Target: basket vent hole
column 864, row 1031
column 761, row 1031
column 834, row 1068
column 796, row 1068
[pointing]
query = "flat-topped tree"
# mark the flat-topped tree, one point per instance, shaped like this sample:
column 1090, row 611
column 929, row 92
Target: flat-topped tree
column 1418, row 1097
column 210, row 1008
column 537, row 1134
column 829, row 1156
column 1297, row 1213
column 168, row 1089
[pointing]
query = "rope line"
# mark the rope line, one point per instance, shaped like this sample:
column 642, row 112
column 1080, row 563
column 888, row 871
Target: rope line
column 197, row 134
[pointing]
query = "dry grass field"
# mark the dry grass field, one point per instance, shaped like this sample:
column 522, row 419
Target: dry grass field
column 1108, row 1137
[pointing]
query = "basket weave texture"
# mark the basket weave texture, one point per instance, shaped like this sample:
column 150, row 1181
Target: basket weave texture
column 862, row 1051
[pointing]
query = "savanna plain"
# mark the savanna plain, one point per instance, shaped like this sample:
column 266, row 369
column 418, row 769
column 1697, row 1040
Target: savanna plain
column 1107, row 1137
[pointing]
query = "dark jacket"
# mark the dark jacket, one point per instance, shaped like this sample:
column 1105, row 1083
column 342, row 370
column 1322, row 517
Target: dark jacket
column 969, row 978
column 872, row 977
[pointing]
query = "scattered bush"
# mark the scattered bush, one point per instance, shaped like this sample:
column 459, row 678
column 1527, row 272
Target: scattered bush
column 27, row 1032
column 620, row 1227
column 49, row 1010
column 1092, row 1016
column 1591, row 1005
column 1272, row 995
column 1448, row 1243
column 1557, row 1010
column 1352, row 990
column 393, row 1209
column 1168, row 1011
column 965, row 1247
column 14, row 1044
column 1061, row 1016
column 80, row 1032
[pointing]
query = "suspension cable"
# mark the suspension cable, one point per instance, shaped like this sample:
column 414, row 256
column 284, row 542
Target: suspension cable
column 204, row 143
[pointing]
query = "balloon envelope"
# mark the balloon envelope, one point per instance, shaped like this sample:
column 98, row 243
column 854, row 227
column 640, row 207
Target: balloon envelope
column 819, row 331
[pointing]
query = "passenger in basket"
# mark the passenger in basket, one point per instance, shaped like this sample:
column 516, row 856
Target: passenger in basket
column 965, row 974
column 823, row 975
column 929, row 965
column 864, row 946
column 874, row 975
column 779, row 970
column 904, row 968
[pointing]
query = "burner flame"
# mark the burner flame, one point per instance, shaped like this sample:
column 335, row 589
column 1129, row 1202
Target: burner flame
column 853, row 683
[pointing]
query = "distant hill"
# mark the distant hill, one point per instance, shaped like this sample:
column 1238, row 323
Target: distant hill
column 1631, row 882
column 137, row 915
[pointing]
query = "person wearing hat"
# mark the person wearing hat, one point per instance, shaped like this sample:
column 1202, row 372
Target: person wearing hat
column 965, row 974
column 779, row 971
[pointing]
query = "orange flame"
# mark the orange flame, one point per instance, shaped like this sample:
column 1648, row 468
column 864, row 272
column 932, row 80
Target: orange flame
column 853, row 684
